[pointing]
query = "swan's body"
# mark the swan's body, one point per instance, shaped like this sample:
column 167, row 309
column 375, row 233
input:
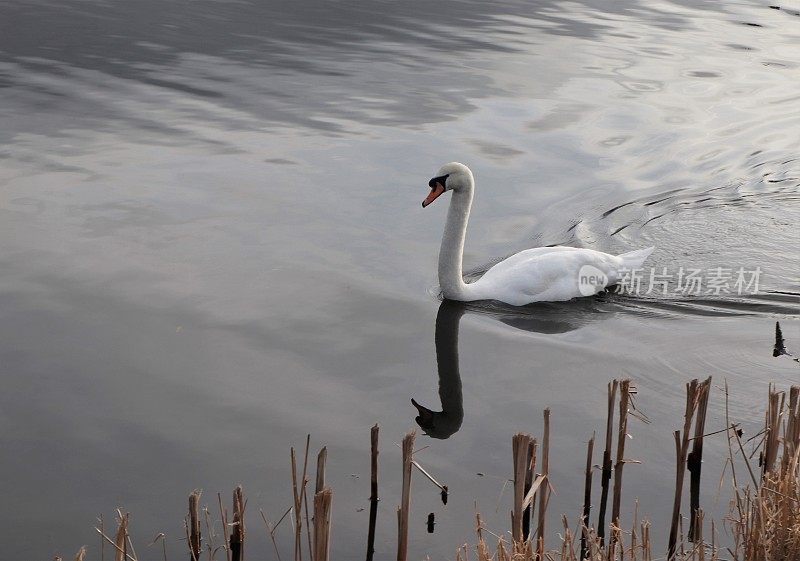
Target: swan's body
column 544, row 274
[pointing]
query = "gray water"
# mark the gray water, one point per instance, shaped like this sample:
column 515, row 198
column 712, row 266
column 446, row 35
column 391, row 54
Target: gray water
column 211, row 244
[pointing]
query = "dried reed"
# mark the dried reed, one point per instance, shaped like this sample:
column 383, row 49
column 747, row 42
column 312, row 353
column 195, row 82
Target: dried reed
column 765, row 518
column 622, row 434
column 403, row 509
column 322, row 459
column 238, row 530
column 526, row 514
column 195, row 539
column 694, row 462
column 373, row 493
column 322, row 524
column 520, row 446
column 544, row 494
column 681, row 453
column 587, row 492
column 605, row 477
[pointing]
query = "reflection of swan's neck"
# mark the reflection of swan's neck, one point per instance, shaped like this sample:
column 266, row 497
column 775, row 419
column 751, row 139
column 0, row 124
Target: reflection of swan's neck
column 451, row 277
column 447, row 363
column 442, row 424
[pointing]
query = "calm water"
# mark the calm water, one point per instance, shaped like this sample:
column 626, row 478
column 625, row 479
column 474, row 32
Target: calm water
column 211, row 244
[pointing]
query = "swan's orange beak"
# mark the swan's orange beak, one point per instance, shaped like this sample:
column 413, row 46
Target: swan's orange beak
column 436, row 190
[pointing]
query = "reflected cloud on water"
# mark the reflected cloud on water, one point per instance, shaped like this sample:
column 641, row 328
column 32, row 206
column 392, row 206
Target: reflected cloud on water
column 321, row 66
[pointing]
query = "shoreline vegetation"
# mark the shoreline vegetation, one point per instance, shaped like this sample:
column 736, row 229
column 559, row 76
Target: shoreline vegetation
column 762, row 524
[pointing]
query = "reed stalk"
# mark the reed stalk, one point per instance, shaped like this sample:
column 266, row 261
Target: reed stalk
column 587, row 493
column 520, row 446
column 681, row 453
column 322, row 459
column 694, row 462
column 622, row 435
column 544, row 495
column 605, row 478
column 223, row 515
column 791, row 431
column 322, row 524
column 298, row 504
column 121, row 539
column 776, row 402
column 304, row 496
column 432, row 479
column 102, row 531
column 526, row 513
column 195, row 539
column 373, row 491
column 403, row 509
column 238, row 530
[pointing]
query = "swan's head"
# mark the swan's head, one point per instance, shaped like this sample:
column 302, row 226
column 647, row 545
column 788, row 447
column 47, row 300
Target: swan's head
column 450, row 177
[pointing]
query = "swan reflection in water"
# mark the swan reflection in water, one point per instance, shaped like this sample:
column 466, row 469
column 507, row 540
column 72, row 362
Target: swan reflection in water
column 442, row 424
column 549, row 318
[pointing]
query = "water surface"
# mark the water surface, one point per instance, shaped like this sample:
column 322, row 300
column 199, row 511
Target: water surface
column 211, row 244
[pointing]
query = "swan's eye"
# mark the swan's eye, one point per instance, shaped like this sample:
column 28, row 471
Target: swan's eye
column 441, row 179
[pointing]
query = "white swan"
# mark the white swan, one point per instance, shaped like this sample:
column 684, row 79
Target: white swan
column 542, row 274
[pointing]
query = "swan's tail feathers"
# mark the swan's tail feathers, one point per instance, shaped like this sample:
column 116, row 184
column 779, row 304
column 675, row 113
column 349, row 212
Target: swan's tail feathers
column 635, row 259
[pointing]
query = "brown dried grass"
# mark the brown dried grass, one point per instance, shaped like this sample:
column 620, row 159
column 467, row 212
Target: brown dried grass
column 764, row 516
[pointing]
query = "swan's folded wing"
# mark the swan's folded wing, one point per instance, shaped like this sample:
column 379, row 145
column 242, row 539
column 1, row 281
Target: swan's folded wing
column 543, row 274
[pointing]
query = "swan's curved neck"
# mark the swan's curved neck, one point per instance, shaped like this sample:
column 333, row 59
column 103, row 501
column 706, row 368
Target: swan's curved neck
column 451, row 278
